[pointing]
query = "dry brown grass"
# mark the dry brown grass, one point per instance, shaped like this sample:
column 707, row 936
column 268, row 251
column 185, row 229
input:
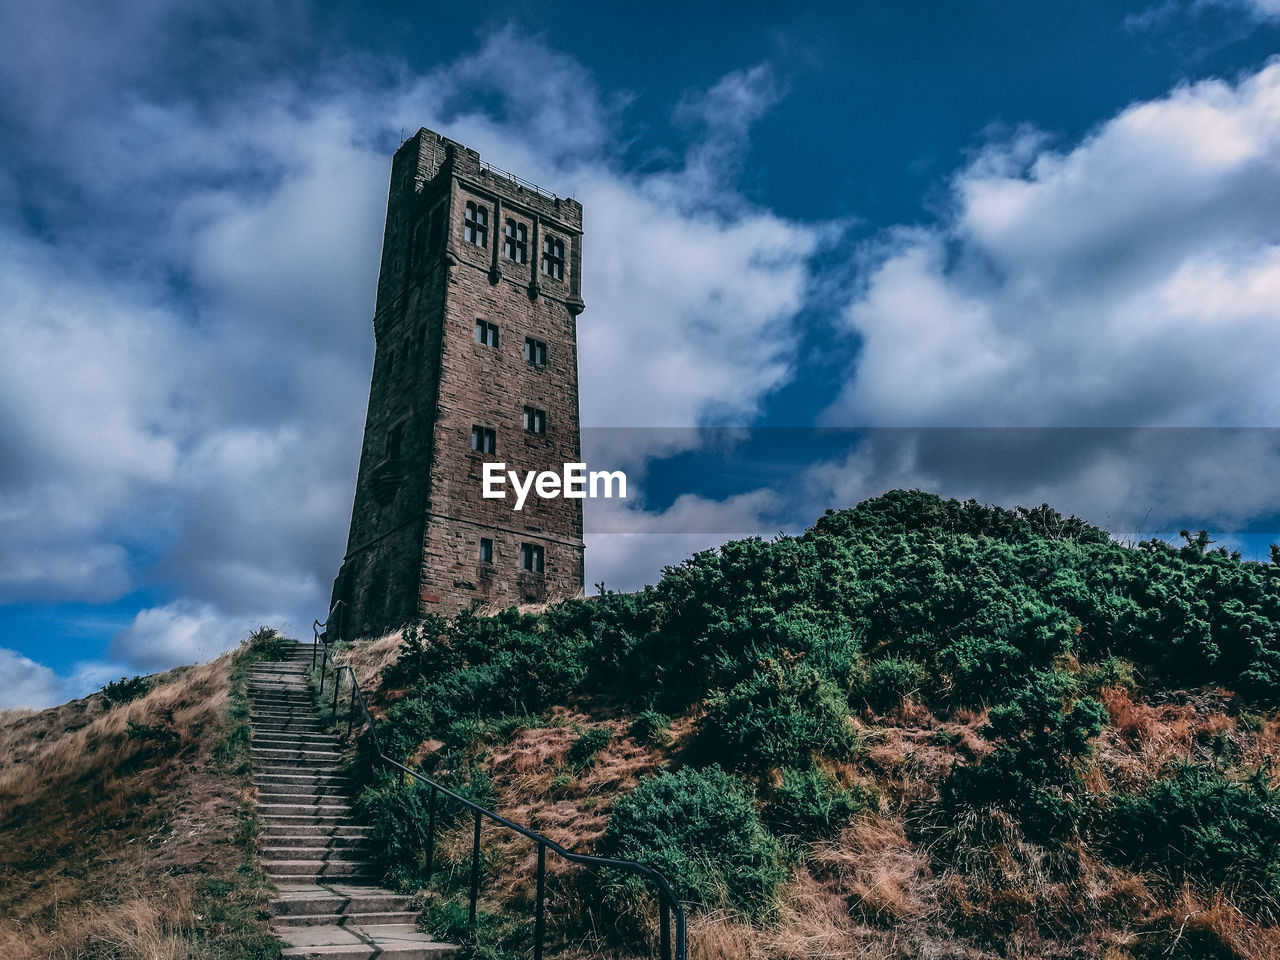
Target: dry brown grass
column 107, row 833
column 369, row 658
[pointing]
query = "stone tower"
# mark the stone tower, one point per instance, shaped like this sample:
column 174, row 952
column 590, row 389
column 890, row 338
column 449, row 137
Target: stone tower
column 476, row 361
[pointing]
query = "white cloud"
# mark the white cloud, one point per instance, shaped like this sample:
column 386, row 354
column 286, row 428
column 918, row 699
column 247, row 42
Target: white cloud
column 179, row 633
column 24, row 683
column 1129, row 280
column 628, row 546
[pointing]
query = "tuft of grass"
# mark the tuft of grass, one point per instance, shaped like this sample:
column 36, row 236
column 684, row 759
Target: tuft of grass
column 584, row 750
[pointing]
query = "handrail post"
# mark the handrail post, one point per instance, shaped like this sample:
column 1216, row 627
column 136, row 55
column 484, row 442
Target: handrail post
column 351, row 714
column 337, row 685
column 475, row 874
column 664, row 929
column 539, row 920
column 322, row 676
column 431, row 834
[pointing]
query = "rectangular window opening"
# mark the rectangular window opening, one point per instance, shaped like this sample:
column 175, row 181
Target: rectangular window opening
column 535, row 352
column 395, row 441
column 484, row 439
column 535, row 420
column 486, row 333
column 531, row 557
column 486, row 550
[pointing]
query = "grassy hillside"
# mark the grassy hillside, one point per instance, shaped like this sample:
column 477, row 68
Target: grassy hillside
column 126, row 825
column 923, row 728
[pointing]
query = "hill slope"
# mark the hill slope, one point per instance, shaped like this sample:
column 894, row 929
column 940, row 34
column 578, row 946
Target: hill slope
column 126, row 825
column 923, row 728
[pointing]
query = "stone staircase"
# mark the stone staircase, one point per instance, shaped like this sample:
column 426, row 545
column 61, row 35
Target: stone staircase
column 313, row 848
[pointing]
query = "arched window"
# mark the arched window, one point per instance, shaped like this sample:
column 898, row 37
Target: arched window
column 476, row 224
column 553, row 257
column 516, row 245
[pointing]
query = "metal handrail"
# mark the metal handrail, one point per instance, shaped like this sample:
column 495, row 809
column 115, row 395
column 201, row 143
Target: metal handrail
column 507, row 175
column 668, row 903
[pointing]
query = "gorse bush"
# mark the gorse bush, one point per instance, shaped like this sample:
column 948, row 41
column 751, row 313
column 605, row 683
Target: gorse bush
column 700, row 829
column 1197, row 823
column 649, row 726
column 399, row 819
column 1111, row 672
column 783, row 713
column 1041, row 736
column 124, row 690
column 587, row 746
column 890, row 681
column 810, row 802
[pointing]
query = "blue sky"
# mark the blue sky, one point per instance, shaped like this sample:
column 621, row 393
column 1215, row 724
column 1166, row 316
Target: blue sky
column 1021, row 252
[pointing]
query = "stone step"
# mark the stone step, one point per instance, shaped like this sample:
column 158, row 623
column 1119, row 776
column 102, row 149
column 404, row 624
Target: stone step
column 294, row 734
column 292, row 768
column 342, row 920
column 392, row 941
column 294, row 710
column 320, row 842
column 295, row 753
column 340, row 808
column 264, row 778
column 300, row 693
column 314, row 832
column 319, row 868
column 279, row 688
column 303, row 789
column 338, row 899
column 298, row 819
column 358, row 853
column 293, row 725
column 309, row 800
column 279, row 738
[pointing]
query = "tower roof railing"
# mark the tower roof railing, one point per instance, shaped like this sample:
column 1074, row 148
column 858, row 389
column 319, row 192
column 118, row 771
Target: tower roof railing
column 519, row 181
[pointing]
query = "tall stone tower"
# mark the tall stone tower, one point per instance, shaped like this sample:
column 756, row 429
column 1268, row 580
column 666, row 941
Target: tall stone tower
column 476, row 361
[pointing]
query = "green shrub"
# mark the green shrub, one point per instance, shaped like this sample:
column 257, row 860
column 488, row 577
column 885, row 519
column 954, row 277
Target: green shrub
column 890, row 681
column 1196, row 823
column 943, row 737
column 1041, row 736
column 782, row 714
column 409, row 723
column 584, row 749
column 983, row 670
column 124, row 690
column 810, row 802
column 650, row 727
column 1111, row 672
column 700, row 829
column 1253, row 722
column 398, row 816
column 267, row 643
